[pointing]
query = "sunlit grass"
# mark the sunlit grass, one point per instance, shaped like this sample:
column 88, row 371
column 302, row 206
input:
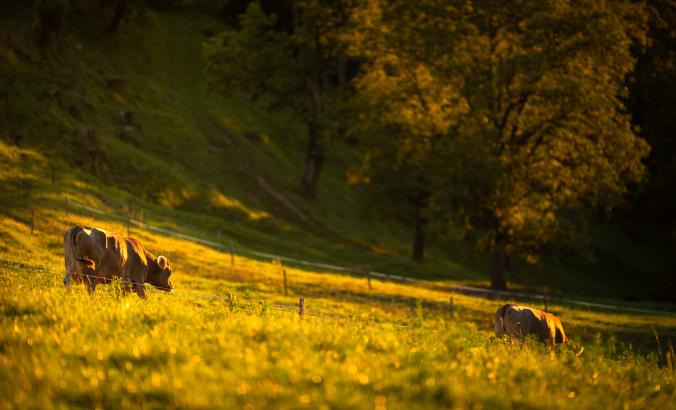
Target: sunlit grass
column 392, row 346
column 109, row 350
column 219, row 341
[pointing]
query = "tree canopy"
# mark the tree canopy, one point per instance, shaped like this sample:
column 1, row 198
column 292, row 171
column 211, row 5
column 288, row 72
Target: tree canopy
column 297, row 67
column 513, row 112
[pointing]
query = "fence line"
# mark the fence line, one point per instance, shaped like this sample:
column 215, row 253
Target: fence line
column 472, row 290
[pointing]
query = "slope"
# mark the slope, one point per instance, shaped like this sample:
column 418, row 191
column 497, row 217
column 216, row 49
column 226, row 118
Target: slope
column 126, row 119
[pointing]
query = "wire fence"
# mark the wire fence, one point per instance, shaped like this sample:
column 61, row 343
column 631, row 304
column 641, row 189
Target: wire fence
column 302, row 310
column 368, row 274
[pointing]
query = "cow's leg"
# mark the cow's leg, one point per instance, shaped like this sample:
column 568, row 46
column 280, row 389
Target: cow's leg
column 137, row 281
column 517, row 334
column 73, row 273
column 69, row 258
column 90, row 278
column 91, row 283
column 126, row 286
column 68, row 279
column 69, row 270
column 140, row 290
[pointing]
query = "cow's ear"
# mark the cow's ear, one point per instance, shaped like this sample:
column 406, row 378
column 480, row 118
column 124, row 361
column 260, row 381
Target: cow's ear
column 161, row 262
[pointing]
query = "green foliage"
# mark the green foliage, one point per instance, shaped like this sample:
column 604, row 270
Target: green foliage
column 649, row 213
column 290, row 68
column 532, row 101
column 271, row 69
column 192, row 161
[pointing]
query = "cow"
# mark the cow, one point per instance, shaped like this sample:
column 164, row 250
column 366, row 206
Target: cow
column 95, row 256
column 521, row 321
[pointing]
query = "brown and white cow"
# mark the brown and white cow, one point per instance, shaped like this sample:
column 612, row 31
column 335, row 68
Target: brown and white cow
column 95, row 256
column 521, row 321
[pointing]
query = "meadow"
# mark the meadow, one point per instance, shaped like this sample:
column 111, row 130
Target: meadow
column 229, row 338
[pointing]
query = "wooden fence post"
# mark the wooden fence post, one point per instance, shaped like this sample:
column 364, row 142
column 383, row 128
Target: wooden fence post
column 450, row 301
column 32, row 221
column 232, row 253
column 286, row 293
column 301, row 307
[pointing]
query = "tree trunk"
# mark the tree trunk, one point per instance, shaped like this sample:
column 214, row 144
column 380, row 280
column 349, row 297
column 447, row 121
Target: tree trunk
column 314, row 159
column 419, row 240
column 120, row 11
column 501, row 263
column 420, row 202
column 50, row 20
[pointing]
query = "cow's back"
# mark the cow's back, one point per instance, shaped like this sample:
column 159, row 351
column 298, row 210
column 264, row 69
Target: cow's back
column 105, row 249
column 520, row 321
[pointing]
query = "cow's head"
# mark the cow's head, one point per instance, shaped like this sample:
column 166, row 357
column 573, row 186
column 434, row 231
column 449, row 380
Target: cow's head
column 500, row 320
column 499, row 326
column 160, row 276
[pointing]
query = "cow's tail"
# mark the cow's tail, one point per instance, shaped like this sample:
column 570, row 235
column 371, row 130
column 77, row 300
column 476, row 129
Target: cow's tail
column 71, row 254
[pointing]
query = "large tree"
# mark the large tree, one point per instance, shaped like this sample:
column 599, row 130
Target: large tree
column 404, row 110
column 298, row 66
column 518, row 107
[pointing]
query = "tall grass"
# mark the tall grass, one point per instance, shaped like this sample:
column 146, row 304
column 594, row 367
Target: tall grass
column 63, row 349
column 393, row 346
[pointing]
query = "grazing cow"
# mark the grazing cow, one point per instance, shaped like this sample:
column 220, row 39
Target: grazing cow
column 94, row 256
column 521, row 321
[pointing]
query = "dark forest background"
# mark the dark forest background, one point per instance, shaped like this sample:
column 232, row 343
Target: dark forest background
column 529, row 143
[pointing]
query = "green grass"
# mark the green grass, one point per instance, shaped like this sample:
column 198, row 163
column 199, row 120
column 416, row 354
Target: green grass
column 393, row 346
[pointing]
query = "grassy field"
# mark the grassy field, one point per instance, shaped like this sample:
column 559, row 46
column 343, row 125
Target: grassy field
column 221, row 340
column 61, row 349
column 228, row 337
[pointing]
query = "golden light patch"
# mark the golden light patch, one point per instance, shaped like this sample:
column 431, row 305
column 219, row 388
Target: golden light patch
column 218, row 200
column 230, row 123
column 117, row 97
column 174, row 198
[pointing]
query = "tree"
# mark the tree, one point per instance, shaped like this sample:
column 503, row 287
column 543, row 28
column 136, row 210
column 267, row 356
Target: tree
column 648, row 214
column 405, row 110
column 119, row 12
column 398, row 184
column 296, row 68
column 52, row 17
column 520, row 106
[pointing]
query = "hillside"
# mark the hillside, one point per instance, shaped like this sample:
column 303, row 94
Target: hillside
column 117, row 117
column 246, row 177
column 119, row 130
column 229, row 336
